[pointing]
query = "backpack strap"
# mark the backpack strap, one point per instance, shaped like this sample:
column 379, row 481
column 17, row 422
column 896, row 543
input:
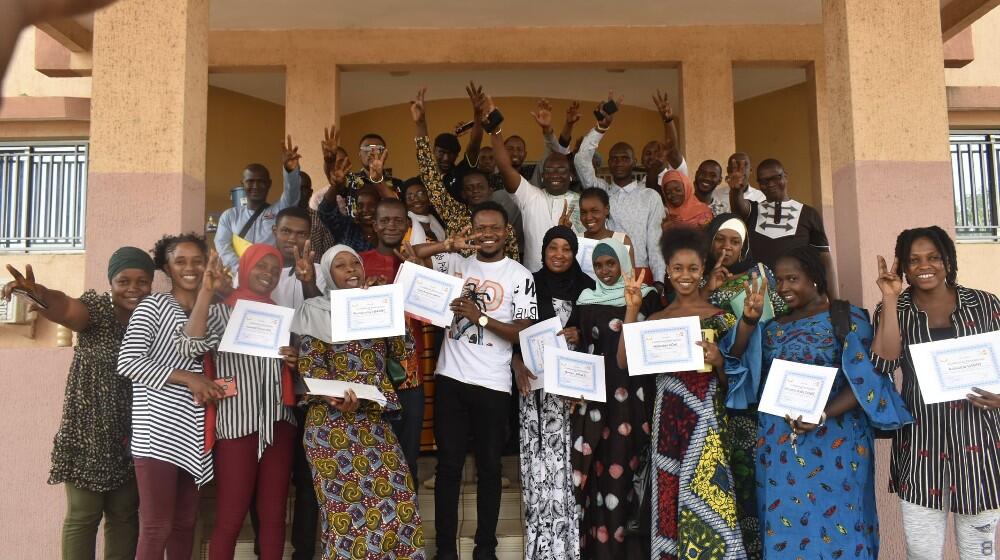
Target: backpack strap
column 840, row 316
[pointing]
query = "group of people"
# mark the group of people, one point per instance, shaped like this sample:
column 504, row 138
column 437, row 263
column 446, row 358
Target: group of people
column 672, row 465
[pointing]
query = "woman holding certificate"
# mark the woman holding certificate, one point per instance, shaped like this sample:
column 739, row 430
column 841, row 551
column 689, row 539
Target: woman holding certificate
column 949, row 459
column 609, row 438
column 815, row 482
column 253, row 430
column 693, row 505
column 362, row 481
column 552, row 528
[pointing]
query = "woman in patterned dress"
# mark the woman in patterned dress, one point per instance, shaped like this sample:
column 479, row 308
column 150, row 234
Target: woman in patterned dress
column 363, row 484
column 693, row 504
column 609, row 438
column 815, row 482
column 90, row 453
column 550, row 516
column 731, row 266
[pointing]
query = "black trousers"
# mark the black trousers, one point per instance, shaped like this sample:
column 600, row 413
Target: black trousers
column 458, row 409
column 306, row 513
column 409, row 425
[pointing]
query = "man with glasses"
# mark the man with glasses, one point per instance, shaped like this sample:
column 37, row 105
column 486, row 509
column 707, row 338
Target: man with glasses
column 779, row 223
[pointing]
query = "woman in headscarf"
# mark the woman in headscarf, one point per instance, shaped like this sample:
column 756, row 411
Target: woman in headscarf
column 731, row 267
column 363, row 484
column 683, row 207
column 610, row 438
column 251, row 433
column 90, row 453
column 550, row 515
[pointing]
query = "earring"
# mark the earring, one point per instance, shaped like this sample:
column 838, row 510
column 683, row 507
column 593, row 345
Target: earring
column 815, row 285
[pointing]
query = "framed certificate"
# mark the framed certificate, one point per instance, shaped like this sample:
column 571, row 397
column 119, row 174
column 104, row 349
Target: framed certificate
column 664, row 346
column 336, row 388
column 257, row 329
column 574, row 374
column 797, row 390
column 534, row 341
column 427, row 293
column 376, row 312
column 947, row 370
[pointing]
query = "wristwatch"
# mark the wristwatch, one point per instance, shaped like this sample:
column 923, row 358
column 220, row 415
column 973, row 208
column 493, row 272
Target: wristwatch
column 483, row 319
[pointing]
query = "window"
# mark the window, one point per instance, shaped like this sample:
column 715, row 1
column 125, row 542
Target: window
column 974, row 161
column 43, row 196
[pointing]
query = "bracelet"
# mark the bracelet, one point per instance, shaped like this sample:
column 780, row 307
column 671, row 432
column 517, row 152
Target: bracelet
column 749, row 322
column 822, row 419
column 598, row 128
column 373, row 181
column 497, row 131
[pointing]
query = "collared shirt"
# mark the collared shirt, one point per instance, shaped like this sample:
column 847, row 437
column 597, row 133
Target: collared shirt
column 953, row 448
column 720, row 198
column 635, row 209
column 776, row 227
column 233, row 220
column 540, row 211
column 288, row 293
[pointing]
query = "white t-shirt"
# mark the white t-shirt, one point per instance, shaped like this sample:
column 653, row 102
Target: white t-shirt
column 289, row 290
column 540, row 211
column 720, row 198
column 505, row 292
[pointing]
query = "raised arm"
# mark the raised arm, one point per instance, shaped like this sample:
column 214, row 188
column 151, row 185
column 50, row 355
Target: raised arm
column 478, row 100
column 583, row 161
column 511, row 176
column 62, row 309
column 737, row 181
column 453, row 212
column 224, row 240
column 572, row 117
column 292, row 178
column 633, row 304
column 460, row 241
column 543, row 117
column 753, row 309
column 197, row 323
column 887, row 345
column 670, row 140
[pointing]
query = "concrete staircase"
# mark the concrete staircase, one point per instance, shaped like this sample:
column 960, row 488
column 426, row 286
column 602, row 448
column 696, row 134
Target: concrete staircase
column 510, row 530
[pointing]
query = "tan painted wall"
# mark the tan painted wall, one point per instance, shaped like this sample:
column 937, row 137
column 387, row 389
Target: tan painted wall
column 777, row 125
column 984, row 70
column 632, row 124
column 977, row 265
column 23, row 79
column 59, row 271
column 241, row 130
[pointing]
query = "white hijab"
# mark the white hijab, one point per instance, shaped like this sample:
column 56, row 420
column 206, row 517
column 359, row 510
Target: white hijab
column 313, row 316
column 417, row 233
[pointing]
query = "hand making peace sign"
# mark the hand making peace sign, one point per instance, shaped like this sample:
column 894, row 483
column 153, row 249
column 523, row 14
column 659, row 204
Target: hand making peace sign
column 753, row 305
column 290, row 155
column 304, row 269
column 890, row 283
column 633, row 291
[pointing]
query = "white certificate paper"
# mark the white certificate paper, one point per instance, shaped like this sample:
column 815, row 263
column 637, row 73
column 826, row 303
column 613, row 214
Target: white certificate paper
column 584, row 255
column 664, row 346
column 947, row 370
column 534, row 340
column 797, row 390
column 376, row 312
column 427, row 293
column 257, row 329
column 335, row 388
column 574, row 374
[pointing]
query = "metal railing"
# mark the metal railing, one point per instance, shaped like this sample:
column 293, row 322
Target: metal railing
column 43, row 193
column 976, row 184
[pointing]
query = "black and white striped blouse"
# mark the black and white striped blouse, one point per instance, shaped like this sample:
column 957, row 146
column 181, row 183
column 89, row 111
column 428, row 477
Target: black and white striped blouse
column 166, row 423
column 257, row 404
column 953, row 448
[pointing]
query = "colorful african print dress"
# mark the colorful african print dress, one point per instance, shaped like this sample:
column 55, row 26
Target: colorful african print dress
column 363, row 485
column 694, row 506
column 819, row 501
column 743, row 422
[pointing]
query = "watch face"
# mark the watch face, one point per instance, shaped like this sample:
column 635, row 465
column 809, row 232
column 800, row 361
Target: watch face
column 483, row 319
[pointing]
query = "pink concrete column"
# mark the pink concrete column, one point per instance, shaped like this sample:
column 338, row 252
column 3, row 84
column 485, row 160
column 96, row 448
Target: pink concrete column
column 888, row 130
column 312, row 92
column 708, row 126
column 148, row 123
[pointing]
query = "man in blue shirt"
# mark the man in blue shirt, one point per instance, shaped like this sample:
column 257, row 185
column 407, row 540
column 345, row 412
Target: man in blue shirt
column 257, row 183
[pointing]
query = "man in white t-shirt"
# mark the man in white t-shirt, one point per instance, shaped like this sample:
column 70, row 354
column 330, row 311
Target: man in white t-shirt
column 720, row 196
column 473, row 383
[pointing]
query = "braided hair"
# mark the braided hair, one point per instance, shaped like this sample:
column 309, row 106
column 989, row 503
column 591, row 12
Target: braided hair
column 942, row 242
column 809, row 259
column 167, row 244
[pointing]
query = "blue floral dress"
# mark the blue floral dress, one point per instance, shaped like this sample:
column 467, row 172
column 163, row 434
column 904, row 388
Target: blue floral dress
column 819, row 501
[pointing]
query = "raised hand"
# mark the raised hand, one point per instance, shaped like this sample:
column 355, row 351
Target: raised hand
column 633, row 290
column 719, row 275
column 606, row 119
column 564, row 218
column 737, row 178
column 478, row 99
column 290, row 155
column 214, row 276
column 376, row 164
column 330, row 143
column 341, row 168
column 890, row 283
column 463, row 240
column 662, row 102
column 417, row 110
column 543, row 115
column 304, row 269
column 25, row 283
column 405, row 253
column 753, row 305
column 573, row 113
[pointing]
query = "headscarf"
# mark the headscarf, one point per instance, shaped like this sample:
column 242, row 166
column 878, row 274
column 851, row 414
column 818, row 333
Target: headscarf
column 566, row 285
column 250, row 258
column 731, row 222
column 692, row 212
column 417, row 233
column 602, row 294
column 129, row 257
column 313, row 316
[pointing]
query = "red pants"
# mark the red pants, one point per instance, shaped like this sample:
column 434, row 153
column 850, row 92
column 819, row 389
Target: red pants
column 239, row 476
column 168, row 509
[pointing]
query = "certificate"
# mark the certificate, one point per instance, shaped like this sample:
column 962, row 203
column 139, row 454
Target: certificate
column 664, row 346
column 335, row 388
column 584, row 255
column 795, row 390
column 376, row 312
column 574, row 374
column 427, row 293
column 947, row 370
column 257, row 329
column 534, row 340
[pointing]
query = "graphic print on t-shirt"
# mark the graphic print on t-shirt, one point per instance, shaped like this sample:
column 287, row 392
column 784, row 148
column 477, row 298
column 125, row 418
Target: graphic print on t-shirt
column 778, row 219
column 487, row 295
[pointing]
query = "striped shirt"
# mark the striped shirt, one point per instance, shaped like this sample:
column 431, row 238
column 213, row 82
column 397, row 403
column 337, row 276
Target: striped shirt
column 953, row 448
column 166, row 423
column 257, row 404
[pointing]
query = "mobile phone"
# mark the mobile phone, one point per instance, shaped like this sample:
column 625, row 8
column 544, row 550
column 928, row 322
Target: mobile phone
column 27, row 295
column 609, row 108
column 464, row 127
column 493, row 120
column 228, row 385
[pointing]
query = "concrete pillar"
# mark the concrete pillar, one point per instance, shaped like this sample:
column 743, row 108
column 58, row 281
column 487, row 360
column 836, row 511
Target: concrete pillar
column 148, row 122
column 888, row 130
column 312, row 94
column 708, row 125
